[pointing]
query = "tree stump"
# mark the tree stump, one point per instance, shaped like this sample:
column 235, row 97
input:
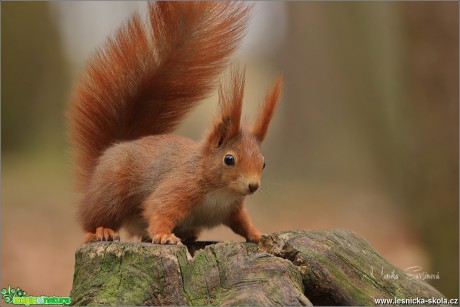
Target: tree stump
column 288, row 268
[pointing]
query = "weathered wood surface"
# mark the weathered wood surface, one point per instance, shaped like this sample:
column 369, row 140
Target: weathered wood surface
column 289, row 268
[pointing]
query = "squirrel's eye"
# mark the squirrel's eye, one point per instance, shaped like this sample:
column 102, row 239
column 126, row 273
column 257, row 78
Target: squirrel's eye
column 229, row 160
column 263, row 166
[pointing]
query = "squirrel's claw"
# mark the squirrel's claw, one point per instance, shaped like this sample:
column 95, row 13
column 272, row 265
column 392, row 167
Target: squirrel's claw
column 101, row 234
column 166, row 239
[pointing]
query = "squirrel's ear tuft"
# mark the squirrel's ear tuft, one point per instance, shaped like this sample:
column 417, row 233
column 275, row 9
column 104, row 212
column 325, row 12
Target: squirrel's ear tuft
column 268, row 109
column 228, row 123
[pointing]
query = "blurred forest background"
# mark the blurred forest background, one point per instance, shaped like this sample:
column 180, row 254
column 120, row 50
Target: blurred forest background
column 366, row 137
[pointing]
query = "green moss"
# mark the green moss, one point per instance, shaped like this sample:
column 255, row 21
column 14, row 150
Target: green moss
column 194, row 277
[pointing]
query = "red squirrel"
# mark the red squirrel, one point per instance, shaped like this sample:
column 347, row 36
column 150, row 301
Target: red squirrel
column 135, row 91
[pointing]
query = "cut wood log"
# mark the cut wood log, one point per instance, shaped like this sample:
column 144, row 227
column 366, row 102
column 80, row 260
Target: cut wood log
column 294, row 268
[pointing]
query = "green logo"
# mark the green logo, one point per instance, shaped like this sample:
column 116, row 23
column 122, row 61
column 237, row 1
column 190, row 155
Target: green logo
column 18, row 297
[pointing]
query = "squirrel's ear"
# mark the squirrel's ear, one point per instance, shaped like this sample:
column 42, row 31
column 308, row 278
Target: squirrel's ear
column 228, row 122
column 268, row 108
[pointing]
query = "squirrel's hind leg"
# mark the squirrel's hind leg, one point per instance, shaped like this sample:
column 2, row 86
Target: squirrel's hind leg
column 101, row 234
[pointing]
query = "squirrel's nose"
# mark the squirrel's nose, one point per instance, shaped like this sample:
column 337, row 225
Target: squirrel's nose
column 253, row 187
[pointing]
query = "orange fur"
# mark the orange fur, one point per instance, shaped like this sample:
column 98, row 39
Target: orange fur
column 268, row 109
column 228, row 122
column 241, row 224
column 163, row 187
column 146, row 80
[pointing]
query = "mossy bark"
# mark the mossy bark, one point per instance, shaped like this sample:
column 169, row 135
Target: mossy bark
column 340, row 268
column 289, row 268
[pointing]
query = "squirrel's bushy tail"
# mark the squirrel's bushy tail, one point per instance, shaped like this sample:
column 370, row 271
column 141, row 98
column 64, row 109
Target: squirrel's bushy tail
column 149, row 75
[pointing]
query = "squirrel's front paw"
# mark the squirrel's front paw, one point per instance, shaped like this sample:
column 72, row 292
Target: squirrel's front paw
column 254, row 237
column 166, row 238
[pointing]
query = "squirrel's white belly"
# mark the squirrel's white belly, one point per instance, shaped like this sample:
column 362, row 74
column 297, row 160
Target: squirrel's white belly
column 213, row 210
